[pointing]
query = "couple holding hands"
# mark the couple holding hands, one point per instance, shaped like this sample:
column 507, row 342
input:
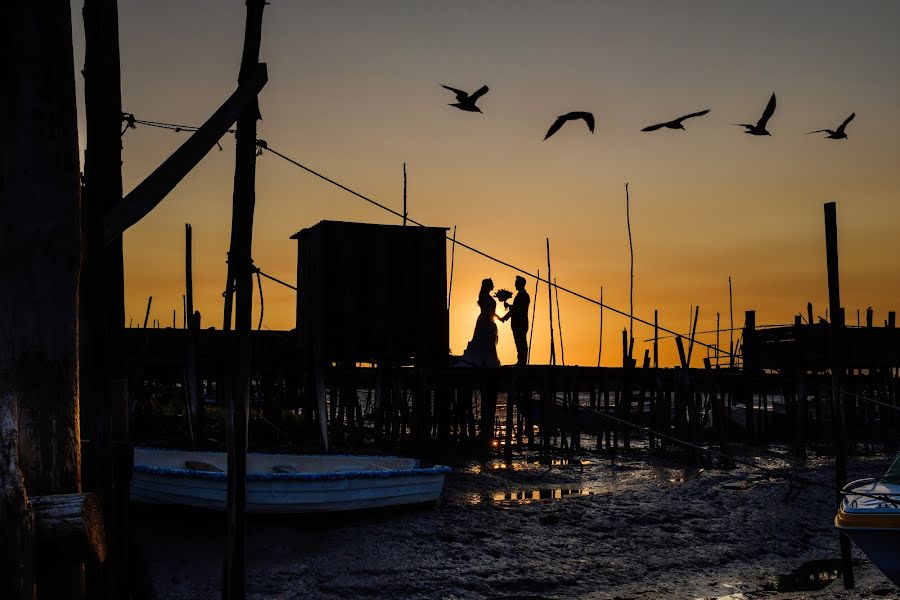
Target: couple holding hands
column 482, row 350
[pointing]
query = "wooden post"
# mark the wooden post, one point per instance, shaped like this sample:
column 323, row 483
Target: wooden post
column 241, row 267
column 717, row 339
column 631, row 277
column 550, row 306
column 600, row 344
column 40, row 244
column 693, row 335
column 147, row 314
column 730, row 326
column 192, row 392
column 40, row 250
column 17, row 563
column 533, row 313
column 836, row 331
column 562, row 347
column 404, row 195
column 452, row 260
column 102, row 282
column 655, row 338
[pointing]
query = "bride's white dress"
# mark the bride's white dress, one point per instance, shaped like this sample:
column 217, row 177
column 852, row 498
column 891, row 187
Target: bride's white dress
column 482, row 350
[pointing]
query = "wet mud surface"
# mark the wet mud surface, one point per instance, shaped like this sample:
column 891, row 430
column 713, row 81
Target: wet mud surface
column 640, row 528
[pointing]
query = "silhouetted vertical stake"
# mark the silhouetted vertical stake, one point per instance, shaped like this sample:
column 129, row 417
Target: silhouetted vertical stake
column 731, row 326
column 631, row 278
column 537, row 281
column 693, row 335
column 550, row 306
column 655, row 339
column 562, row 347
column 404, row 196
column 241, row 269
column 717, row 339
column 192, row 395
column 600, row 343
column 452, row 259
column 147, row 314
column 836, row 330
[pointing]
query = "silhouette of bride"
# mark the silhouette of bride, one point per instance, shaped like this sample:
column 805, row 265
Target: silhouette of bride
column 482, row 350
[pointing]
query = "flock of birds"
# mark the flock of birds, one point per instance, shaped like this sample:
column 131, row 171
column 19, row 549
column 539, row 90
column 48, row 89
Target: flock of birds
column 466, row 101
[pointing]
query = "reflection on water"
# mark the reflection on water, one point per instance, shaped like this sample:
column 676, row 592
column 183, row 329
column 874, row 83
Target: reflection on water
column 524, row 465
column 526, row 496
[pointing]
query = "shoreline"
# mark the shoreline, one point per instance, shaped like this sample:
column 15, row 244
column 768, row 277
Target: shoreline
column 645, row 527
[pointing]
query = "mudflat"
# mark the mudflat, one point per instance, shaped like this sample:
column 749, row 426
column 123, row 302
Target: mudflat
column 636, row 527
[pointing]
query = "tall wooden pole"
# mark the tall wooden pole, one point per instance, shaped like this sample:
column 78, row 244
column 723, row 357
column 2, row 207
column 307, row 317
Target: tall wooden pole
column 241, row 267
column 562, row 347
column 104, row 414
column 40, row 262
column 533, row 314
column 730, row 326
column 631, row 278
column 40, row 243
column 404, row 194
column 190, row 363
column 836, row 330
column 693, row 331
column 655, row 338
column 600, row 344
column 550, row 306
column 452, row 260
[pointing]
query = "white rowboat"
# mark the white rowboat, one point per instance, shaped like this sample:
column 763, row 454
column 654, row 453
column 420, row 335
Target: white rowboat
column 284, row 483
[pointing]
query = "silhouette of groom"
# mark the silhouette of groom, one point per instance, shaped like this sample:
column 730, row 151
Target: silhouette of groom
column 518, row 312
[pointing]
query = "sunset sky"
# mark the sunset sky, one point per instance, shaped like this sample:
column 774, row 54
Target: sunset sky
column 354, row 91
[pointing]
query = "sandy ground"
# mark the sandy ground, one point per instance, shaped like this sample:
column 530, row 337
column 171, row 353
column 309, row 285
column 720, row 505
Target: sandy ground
column 642, row 528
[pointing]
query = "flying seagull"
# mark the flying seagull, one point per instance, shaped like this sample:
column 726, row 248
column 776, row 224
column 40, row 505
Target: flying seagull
column 837, row 134
column 760, row 127
column 561, row 120
column 465, row 101
column 675, row 123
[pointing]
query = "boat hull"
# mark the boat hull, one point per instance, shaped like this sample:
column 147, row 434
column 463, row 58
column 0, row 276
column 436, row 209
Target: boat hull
column 882, row 546
column 346, row 486
column 870, row 516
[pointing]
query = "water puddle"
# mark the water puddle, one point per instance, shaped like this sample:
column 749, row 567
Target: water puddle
column 811, row 576
column 526, row 464
column 527, row 496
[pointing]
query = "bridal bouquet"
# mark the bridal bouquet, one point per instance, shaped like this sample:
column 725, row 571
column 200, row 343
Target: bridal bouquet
column 503, row 295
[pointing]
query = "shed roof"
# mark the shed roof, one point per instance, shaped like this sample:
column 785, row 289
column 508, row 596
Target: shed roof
column 353, row 224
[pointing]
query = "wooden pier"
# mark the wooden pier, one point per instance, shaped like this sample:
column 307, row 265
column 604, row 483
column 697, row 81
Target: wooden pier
column 780, row 393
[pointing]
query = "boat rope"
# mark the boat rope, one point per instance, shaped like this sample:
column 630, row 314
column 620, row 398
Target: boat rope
column 263, row 145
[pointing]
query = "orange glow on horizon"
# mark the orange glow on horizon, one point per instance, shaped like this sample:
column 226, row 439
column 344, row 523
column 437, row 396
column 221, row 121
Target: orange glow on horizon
column 355, row 99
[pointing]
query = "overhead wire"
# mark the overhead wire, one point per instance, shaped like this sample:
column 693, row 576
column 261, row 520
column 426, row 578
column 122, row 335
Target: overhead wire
column 263, row 145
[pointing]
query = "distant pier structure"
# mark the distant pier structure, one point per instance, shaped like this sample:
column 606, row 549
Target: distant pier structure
column 372, row 293
column 369, row 363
